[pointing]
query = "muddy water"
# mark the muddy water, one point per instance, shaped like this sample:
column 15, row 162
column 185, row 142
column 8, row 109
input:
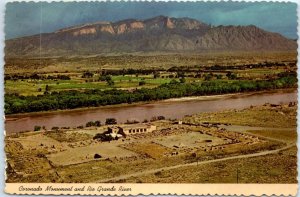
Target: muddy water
column 169, row 109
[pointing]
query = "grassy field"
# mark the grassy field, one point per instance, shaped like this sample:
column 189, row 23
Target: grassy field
column 193, row 64
column 140, row 60
column 37, row 87
column 271, row 168
column 286, row 135
column 256, row 116
column 28, row 87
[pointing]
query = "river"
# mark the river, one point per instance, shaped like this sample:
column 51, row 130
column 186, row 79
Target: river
column 176, row 108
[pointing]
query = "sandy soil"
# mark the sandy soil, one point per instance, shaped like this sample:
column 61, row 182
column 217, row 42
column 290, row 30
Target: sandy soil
column 40, row 141
column 190, row 140
column 86, row 153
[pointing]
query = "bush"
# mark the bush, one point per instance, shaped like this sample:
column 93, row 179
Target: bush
column 37, row 128
column 159, row 173
column 110, row 121
column 231, row 75
column 55, row 128
column 110, row 82
column 154, row 118
column 161, row 118
column 97, row 123
column 182, row 80
column 131, row 122
column 97, row 156
column 80, row 127
column 141, row 83
column 89, row 124
column 173, row 81
column 208, row 77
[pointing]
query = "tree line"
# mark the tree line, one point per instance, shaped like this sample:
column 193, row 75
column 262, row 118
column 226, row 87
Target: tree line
column 15, row 103
column 36, row 77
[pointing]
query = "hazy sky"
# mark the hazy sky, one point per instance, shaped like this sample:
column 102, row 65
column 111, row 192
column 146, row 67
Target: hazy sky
column 28, row 18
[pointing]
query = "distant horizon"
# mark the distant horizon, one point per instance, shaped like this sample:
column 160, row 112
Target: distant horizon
column 29, row 18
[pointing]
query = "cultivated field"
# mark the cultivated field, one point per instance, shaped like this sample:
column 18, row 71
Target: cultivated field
column 127, row 71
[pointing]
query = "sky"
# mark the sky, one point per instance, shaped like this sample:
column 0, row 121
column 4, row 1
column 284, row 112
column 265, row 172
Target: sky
column 29, row 18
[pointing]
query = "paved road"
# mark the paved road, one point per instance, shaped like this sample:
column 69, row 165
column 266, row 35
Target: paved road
column 267, row 152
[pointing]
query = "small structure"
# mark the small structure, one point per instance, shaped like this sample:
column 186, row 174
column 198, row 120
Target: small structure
column 178, row 122
column 115, row 132
column 131, row 129
column 165, row 74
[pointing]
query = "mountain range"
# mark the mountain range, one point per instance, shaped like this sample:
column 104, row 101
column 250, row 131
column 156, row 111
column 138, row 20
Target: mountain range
column 158, row 34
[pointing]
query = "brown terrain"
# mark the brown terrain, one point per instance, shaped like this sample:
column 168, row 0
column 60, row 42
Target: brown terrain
column 158, row 34
column 197, row 150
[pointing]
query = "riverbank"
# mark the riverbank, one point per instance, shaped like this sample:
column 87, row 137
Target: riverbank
column 163, row 155
column 146, row 111
column 15, row 103
column 213, row 97
column 14, row 117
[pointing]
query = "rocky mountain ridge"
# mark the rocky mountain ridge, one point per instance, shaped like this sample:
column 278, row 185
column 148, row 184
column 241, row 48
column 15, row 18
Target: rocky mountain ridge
column 158, row 34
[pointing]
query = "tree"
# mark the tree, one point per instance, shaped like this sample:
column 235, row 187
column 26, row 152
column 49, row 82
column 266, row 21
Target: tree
column 208, row 77
column 37, row 128
column 109, row 80
column 231, row 75
column 173, row 81
column 182, row 80
column 219, row 76
column 161, row 118
column 102, row 78
column 15, row 103
column 55, row 128
column 87, row 74
column 47, row 89
column 110, row 121
column 89, row 124
column 97, row 123
column 141, row 83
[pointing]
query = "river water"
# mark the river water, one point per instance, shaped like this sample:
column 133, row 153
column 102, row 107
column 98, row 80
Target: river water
column 169, row 109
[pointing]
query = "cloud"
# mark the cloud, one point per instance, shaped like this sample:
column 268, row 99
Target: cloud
column 29, row 18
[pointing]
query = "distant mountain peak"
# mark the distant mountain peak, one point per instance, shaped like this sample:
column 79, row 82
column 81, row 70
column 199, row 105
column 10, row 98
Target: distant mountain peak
column 160, row 33
column 129, row 25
